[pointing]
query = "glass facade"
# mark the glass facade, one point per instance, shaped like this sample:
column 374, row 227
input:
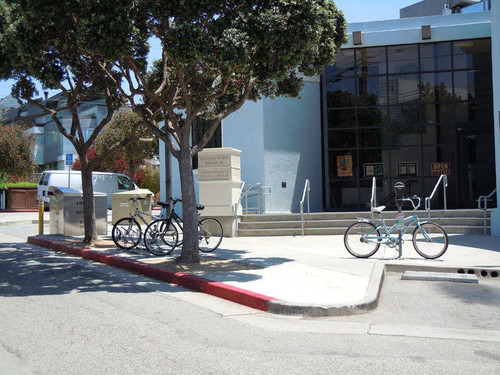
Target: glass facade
column 409, row 113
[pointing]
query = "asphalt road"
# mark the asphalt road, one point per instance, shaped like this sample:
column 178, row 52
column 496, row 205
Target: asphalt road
column 63, row 315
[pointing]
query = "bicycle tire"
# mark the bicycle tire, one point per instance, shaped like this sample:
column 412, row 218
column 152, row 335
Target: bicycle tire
column 353, row 239
column 178, row 225
column 433, row 244
column 209, row 234
column 160, row 237
column 126, row 233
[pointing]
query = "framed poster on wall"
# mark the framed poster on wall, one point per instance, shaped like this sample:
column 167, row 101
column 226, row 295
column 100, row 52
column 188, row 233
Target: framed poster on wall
column 344, row 165
column 374, row 169
column 407, row 169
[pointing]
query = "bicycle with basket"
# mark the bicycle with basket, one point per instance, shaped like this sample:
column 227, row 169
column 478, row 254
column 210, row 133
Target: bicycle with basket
column 363, row 238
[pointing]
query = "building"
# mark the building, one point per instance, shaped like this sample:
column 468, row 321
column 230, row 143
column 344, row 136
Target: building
column 407, row 100
column 51, row 147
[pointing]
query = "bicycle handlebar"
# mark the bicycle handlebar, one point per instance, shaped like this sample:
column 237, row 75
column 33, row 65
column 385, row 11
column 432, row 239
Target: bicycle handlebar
column 415, row 207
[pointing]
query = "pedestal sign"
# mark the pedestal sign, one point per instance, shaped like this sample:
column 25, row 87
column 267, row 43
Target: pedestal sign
column 219, row 179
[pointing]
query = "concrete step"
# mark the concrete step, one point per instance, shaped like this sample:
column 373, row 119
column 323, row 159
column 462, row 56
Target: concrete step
column 469, row 221
column 366, row 214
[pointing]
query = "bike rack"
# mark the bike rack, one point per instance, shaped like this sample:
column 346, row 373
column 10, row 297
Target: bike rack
column 444, row 179
column 484, row 206
column 307, row 189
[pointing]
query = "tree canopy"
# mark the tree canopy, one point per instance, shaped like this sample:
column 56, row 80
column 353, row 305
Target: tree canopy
column 215, row 55
column 16, row 153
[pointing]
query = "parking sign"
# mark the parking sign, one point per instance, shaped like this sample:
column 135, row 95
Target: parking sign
column 69, row 159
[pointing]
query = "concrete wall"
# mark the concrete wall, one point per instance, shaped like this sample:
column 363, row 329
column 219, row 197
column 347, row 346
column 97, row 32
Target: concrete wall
column 292, row 142
column 408, row 30
column 280, row 141
column 495, row 55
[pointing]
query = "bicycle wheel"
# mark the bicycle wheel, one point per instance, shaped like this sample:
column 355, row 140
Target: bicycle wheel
column 356, row 242
column 160, row 237
column 430, row 240
column 178, row 225
column 126, row 233
column 210, row 234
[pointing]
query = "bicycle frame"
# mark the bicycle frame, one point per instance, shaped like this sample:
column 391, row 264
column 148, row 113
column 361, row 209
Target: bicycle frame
column 386, row 237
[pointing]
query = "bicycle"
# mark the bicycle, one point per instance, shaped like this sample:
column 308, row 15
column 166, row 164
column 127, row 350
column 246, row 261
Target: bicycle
column 127, row 232
column 209, row 231
column 363, row 238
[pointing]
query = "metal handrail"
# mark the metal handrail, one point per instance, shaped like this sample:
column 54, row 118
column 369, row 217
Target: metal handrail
column 443, row 178
column 373, row 200
column 485, row 198
column 247, row 191
column 307, row 189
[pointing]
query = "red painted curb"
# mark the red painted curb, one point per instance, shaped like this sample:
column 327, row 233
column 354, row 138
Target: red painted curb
column 197, row 283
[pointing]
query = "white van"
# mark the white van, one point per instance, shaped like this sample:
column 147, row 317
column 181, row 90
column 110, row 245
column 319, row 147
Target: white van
column 103, row 182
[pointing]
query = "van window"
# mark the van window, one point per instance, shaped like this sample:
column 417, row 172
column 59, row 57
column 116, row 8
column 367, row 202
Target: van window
column 44, row 179
column 123, row 183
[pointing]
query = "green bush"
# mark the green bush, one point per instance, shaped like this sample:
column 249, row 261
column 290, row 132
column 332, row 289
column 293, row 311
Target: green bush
column 5, row 184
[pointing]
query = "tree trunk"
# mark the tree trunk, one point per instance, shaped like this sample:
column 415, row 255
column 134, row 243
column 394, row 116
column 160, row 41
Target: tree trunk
column 88, row 206
column 190, row 249
column 131, row 174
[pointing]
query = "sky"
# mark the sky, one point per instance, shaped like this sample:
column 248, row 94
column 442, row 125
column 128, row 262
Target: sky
column 354, row 11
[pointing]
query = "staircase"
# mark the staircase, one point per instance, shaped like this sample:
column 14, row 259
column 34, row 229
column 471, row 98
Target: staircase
column 466, row 221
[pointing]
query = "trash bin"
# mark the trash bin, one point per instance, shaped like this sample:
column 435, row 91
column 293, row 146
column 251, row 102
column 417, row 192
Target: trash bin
column 122, row 206
column 66, row 212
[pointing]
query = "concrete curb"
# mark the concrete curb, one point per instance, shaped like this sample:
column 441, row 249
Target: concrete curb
column 369, row 302
column 221, row 290
column 199, row 284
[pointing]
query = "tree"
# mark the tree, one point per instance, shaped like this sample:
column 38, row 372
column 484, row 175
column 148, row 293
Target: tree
column 137, row 152
column 63, row 46
column 16, row 153
column 215, row 56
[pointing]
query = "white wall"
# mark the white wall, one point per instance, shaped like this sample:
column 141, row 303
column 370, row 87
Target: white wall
column 495, row 55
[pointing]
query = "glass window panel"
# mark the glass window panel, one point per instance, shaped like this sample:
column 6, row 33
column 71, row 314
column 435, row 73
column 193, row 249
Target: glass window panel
column 473, row 84
column 342, row 138
column 474, row 111
column 341, row 93
column 344, row 64
column 438, row 113
column 404, row 89
column 406, row 136
column 404, row 115
column 373, row 137
column 370, row 61
column 375, row 116
column 437, row 87
column 435, row 56
column 372, row 90
column 403, row 59
column 344, row 194
column 341, row 118
column 469, row 54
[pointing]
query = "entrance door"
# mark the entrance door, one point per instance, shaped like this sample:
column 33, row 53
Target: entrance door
column 476, row 165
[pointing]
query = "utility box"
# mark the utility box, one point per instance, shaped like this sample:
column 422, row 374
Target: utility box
column 66, row 212
column 122, row 206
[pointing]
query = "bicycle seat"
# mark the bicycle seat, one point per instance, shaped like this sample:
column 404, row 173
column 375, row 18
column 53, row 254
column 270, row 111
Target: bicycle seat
column 200, row 207
column 164, row 205
column 378, row 210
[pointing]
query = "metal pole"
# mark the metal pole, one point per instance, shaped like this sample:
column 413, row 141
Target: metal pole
column 40, row 215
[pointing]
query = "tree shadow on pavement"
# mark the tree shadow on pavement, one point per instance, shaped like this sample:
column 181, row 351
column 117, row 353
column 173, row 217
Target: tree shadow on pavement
column 25, row 272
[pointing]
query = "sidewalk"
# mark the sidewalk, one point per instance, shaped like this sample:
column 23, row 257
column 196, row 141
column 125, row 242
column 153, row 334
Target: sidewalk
column 312, row 275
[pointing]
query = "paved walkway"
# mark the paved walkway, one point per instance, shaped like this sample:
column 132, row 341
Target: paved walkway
column 312, row 275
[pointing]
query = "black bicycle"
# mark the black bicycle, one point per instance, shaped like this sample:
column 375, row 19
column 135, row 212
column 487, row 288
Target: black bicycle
column 158, row 238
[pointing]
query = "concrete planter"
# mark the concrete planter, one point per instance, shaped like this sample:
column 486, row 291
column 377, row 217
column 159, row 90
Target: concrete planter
column 21, row 198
